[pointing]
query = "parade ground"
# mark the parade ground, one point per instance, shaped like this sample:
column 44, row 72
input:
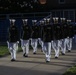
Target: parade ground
column 36, row 64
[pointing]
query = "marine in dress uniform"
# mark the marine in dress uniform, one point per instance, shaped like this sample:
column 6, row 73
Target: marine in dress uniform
column 47, row 39
column 64, row 35
column 13, row 39
column 70, row 34
column 35, row 35
column 25, row 36
column 57, row 37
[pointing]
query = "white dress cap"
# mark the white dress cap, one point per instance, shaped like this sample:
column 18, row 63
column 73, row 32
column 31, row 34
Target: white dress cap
column 42, row 22
column 34, row 21
column 53, row 18
column 25, row 20
column 68, row 20
column 56, row 18
column 12, row 20
column 63, row 19
column 48, row 19
column 44, row 19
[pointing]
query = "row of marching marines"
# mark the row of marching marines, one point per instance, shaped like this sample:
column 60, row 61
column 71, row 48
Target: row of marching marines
column 56, row 36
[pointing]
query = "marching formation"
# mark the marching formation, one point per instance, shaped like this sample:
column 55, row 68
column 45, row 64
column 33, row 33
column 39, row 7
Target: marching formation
column 50, row 34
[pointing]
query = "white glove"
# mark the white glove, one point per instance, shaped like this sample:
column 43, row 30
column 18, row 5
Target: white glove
column 67, row 37
column 52, row 41
column 73, row 37
column 17, row 41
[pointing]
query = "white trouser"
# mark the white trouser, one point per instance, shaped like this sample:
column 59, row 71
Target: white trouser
column 58, row 45
column 67, row 44
column 56, row 49
column 13, row 47
column 47, row 50
column 64, row 43
column 34, row 44
column 25, row 46
column 41, row 43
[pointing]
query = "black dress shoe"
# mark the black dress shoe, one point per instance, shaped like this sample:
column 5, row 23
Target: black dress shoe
column 25, row 55
column 69, row 50
column 47, row 60
column 56, row 57
column 34, row 52
column 62, row 53
column 13, row 60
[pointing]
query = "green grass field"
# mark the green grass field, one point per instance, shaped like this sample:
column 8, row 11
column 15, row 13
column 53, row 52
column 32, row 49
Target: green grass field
column 71, row 71
column 4, row 50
